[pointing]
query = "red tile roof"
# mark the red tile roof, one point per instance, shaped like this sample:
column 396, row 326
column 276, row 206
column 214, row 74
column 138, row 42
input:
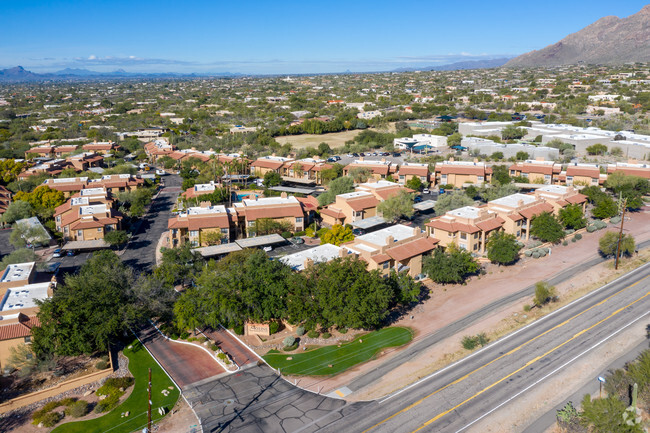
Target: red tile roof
column 265, row 163
column 452, row 227
column 412, row 249
column 19, row 330
column 491, row 224
column 583, row 171
column 333, row 212
column 405, row 170
column 361, row 203
column 538, row 209
column 254, row 213
column 577, row 198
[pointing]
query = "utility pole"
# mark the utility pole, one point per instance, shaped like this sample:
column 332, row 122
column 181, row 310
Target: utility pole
column 620, row 235
column 149, row 409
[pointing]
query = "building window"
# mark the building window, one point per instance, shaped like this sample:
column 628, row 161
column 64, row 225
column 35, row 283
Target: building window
column 385, row 265
column 99, row 229
column 224, row 231
column 463, row 236
column 194, row 243
column 480, row 178
column 251, row 223
column 194, row 233
column 401, row 177
column 28, row 339
column 80, row 233
column 299, row 219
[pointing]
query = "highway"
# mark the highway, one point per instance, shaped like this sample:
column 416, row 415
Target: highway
column 458, row 396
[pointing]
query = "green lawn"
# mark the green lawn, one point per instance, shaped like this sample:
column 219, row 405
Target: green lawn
column 139, row 363
column 316, row 362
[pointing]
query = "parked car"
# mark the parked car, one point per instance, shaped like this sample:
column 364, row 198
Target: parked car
column 425, row 191
column 161, row 172
column 71, row 253
column 268, row 248
column 397, row 154
column 298, row 240
column 356, row 155
column 358, row 232
column 57, row 253
column 417, row 199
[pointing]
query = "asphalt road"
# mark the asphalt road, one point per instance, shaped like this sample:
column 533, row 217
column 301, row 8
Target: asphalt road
column 419, row 345
column 455, row 398
column 140, row 253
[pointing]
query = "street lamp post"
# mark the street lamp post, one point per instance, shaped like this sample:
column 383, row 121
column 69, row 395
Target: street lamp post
column 601, row 380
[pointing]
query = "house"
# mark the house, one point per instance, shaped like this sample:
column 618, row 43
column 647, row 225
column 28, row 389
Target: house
column 117, row 182
column 409, row 170
column 157, row 149
column 88, row 215
column 267, row 164
column 350, row 207
column 381, row 189
column 284, row 209
column 199, row 190
column 323, row 253
column 582, row 174
column 306, row 170
column 85, row 160
column 19, row 292
column 42, row 151
column 5, row 199
column 59, row 151
column 399, row 247
column 101, row 147
column 196, row 224
column 67, row 185
column 468, row 228
column 560, row 196
column 459, row 173
column 52, row 167
column 517, row 211
column 630, row 169
column 541, row 172
column 378, row 169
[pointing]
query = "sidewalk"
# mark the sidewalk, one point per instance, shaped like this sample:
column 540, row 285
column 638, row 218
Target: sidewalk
column 452, row 302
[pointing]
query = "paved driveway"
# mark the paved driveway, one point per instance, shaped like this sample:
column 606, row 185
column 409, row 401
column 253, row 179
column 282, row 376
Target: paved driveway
column 184, row 363
column 257, row 400
column 241, row 354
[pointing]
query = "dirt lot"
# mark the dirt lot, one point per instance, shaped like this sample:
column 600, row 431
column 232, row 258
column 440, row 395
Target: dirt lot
column 334, row 139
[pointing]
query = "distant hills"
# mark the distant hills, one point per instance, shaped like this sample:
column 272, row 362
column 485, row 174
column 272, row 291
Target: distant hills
column 468, row 64
column 610, row 40
column 19, row 74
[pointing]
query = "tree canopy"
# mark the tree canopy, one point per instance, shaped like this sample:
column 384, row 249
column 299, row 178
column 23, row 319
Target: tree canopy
column 396, row 206
column 336, row 235
column 452, row 200
column 452, row 266
column 546, row 228
column 572, row 217
column 502, row 248
column 340, row 185
column 271, row 178
column 608, row 244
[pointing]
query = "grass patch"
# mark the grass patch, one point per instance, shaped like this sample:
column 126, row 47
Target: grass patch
column 139, row 363
column 361, row 349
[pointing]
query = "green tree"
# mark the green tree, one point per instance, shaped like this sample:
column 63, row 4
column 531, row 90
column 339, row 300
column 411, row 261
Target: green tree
column 596, row 149
column 450, row 267
column 608, row 244
column 452, row 200
column 179, row 265
column 43, row 199
column 498, row 191
column 522, row 156
column 267, row 226
column 500, row 175
column 414, row 183
column 271, row 178
column 502, row 248
column 22, row 255
column 497, row 156
column 544, row 293
column 572, row 217
column 337, row 235
column 337, row 186
column 17, row 210
column 212, row 238
column 511, row 132
column 454, row 139
column 605, row 415
column 605, row 208
column 547, row 228
column 405, row 289
column 116, row 237
column 631, row 188
column 360, row 174
column 86, row 312
column 23, row 233
column 396, row 206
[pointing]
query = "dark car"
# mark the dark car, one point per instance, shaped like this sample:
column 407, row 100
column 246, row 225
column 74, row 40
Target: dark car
column 358, row 232
column 397, row 154
column 71, row 253
column 417, row 199
column 57, row 253
column 362, row 154
column 356, row 155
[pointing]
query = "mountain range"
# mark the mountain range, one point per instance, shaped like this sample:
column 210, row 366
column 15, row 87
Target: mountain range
column 610, row 40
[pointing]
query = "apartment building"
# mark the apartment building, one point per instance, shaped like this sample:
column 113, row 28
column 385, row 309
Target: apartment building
column 378, row 169
column 541, row 172
column 307, row 170
column 19, row 292
column 560, row 196
column 202, row 226
column 157, row 149
column 285, row 208
column 101, row 147
column 459, row 173
column 398, row 247
column 630, row 169
column 409, row 170
column 517, row 211
column 350, row 207
column 60, row 151
column 468, row 228
column 266, row 164
column 582, row 174
column 39, row 151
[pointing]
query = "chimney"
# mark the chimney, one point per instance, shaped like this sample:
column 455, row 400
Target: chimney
column 390, row 240
column 520, row 203
column 343, row 252
column 307, row 263
column 283, row 195
column 416, row 231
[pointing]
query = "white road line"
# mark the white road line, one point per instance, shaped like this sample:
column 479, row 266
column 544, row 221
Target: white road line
column 555, row 371
column 501, row 340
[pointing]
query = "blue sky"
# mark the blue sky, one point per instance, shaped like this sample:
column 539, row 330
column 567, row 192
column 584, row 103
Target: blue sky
column 282, row 36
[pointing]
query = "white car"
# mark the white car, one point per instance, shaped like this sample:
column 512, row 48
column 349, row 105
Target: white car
column 425, row 191
column 268, row 248
column 161, row 172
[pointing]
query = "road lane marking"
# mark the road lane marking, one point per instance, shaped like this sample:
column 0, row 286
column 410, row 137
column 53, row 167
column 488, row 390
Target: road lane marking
column 569, row 362
column 506, row 337
column 514, row 350
column 529, row 363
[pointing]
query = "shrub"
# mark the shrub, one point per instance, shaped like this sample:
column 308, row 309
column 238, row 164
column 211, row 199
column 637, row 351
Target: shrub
column 300, row 331
column 109, row 403
column 482, row 339
column 302, row 233
column 274, row 327
column 591, row 229
column 528, row 253
column 544, row 293
column 577, row 237
column 313, row 334
column 535, row 254
column 101, row 365
column 469, row 342
column 574, row 240
column 77, row 409
column 214, row 347
column 615, row 219
column 535, row 244
column 289, row 341
column 184, row 335
column 543, row 252
column 286, row 235
column 294, row 346
column 117, row 383
column 527, row 307
column 239, row 329
column 49, row 419
column 565, row 242
column 569, row 231
column 326, row 335
column 343, row 330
